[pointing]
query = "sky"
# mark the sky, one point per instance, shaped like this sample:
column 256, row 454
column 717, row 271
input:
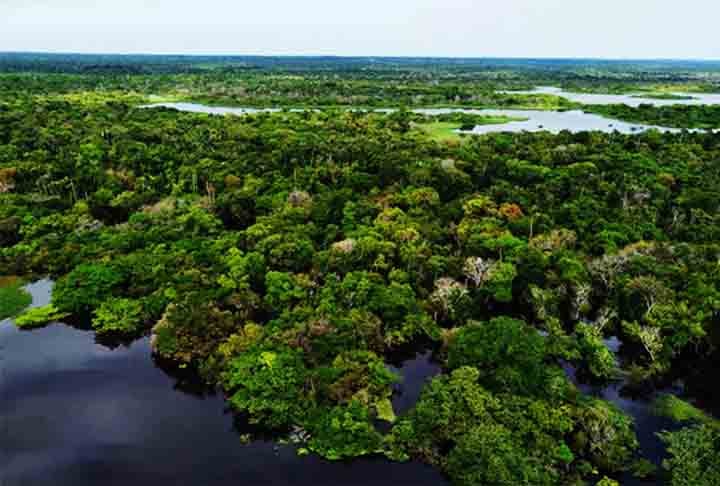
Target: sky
column 455, row 28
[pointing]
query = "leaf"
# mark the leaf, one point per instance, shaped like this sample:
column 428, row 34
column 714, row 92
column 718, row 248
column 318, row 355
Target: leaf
column 385, row 410
column 268, row 358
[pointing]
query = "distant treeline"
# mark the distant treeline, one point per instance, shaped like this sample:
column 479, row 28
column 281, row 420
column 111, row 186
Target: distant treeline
column 677, row 116
column 135, row 63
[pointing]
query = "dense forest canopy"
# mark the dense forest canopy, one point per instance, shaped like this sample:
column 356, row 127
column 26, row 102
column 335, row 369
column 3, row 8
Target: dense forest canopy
column 287, row 256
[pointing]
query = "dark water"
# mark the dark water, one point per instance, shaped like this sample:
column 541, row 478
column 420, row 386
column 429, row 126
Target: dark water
column 647, row 424
column 415, row 372
column 639, row 407
column 74, row 413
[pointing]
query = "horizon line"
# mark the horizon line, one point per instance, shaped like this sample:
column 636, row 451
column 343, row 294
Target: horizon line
column 363, row 56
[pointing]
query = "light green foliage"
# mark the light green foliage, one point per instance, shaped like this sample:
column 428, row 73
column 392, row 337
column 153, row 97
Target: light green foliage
column 679, row 321
column 572, row 270
column 268, row 386
column 282, row 290
column 359, row 376
column 500, row 281
column 13, row 298
column 385, row 410
column 118, row 316
column 237, row 343
column 525, row 172
column 607, row 482
column 489, row 455
column 197, row 220
column 39, row 316
column 681, row 411
column 413, row 326
column 599, row 360
column 345, row 431
column 243, row 270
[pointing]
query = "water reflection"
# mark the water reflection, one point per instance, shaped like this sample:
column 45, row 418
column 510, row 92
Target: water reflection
column 75, row 412
column 638, row 406
column 415, row 371
column 574, row 121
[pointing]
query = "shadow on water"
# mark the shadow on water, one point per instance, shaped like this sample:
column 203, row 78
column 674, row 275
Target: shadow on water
column 416, row 368
column 639, row 406
column 75, row 412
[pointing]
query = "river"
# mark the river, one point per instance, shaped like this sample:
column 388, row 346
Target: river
column 533, row 120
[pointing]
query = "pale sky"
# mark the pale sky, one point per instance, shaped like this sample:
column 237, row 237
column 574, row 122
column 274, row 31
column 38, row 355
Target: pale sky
column 462, row 28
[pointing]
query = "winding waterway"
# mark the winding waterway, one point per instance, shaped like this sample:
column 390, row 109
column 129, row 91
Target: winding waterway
column 532, row 120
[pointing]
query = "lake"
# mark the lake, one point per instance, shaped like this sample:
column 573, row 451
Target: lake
column 551, row 121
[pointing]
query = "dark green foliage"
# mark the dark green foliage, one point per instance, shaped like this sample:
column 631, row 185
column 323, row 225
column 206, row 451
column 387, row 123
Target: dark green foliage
column 695, row 456
column 509, row 355
column 480, row 437
column 290, row 256
column 681, row 116
column 191, row 329
column 604, row 435
column 86, row 287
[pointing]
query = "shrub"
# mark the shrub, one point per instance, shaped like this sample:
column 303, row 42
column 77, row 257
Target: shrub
column 118, row 316
column 86, row 287
column 39, row 316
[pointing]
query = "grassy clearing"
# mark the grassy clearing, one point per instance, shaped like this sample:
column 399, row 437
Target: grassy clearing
column 13, row 298
column 679, row 410
column 443, row 131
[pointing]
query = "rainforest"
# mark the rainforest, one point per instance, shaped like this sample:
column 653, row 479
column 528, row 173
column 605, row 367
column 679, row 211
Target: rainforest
column 555, row 296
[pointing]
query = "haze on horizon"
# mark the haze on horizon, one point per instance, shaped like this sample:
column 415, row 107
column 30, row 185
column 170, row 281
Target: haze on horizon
column 636, row 29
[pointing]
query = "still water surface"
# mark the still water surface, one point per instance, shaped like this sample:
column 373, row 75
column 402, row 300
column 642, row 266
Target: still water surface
column 75, row 413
